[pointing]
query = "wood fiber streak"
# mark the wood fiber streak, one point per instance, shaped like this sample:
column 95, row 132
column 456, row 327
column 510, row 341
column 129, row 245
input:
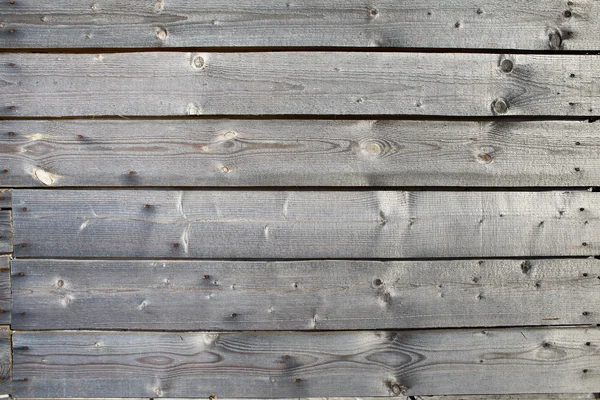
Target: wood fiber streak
column 5, row 291
column 359, row 363
column 6, row 245
column 263, row 153
column 304, row 295
column 301, row 83
column 494, row 24
column 5, row 194
column 304, row 224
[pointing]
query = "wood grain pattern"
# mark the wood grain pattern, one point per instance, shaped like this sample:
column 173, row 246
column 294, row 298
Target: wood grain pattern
column 5, row 291
column 5, row 361
column 5, row 194
column 302, row 83
column 359, row 363
column 495, row 24
column 303, row 295
column 299, row 153
column 570, row 396
column 6, row 245
column 304, row 224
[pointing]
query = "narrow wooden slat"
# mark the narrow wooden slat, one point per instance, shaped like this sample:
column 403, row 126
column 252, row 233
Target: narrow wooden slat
column 570, row 396
column 5, row 194
column 222, row 295
column 359, row 363
column 5, row 291
column 303, row 224
column 304, row 83
column 497, row 24
column 5, row 232
column 5, row 361
column 299, row 153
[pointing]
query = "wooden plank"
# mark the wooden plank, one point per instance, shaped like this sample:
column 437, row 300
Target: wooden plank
column 5, row 232
column 5, row 194
column 570, row 396
column 5, row 291
column 358, row 363
column 497, row 24
column 5, row 361
column 303, row 83
column 303, row 295
column 299, row 153
column 304, row 224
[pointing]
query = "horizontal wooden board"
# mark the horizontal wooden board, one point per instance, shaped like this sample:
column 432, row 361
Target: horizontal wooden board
column 495, row 24
column 5, row 290
column 570, row 396
column 303, row 295
column 304, row 224
column 359, row 363
column 303, row 83
column 299, row 153
column 5, row 232
column 5, row 194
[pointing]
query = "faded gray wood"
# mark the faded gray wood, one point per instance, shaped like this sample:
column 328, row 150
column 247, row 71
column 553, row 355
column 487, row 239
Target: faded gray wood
column 5, row 290
column 303, row 83
column 5, row 360
column 299, row 153
column 571, row 396
column 5, row 194
column 359, row 363
column 303, row 295
column 304, row 224
column 5, row 232
column 495, row 24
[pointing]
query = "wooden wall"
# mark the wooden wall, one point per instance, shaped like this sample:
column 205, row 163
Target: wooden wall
column 300, row 199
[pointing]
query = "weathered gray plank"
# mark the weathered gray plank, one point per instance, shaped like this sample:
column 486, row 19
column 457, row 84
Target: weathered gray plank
column 497, row 24
column 570, row 396
column 5, row 361
column 359, row 83
column 223, row 295
column 286, row 364
column 299, row 153
column 302, row 224
column 5, row 194
column 5, row 232
column 5, row 290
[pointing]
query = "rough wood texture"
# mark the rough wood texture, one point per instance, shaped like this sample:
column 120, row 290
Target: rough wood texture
column 5, row 361
column 5, row 232
column 5, row 194
column 571, row 396
column 5, row 290
column 299, row 153
column 377, row 363
column 222, row 295
column 326, row 83
column 303, row 224
column 495, row 24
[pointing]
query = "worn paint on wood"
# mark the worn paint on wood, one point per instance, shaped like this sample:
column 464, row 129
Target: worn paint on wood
column 304, row 224
column 224, row 295
column 495, row 24
column 571, row 396
column 304, row 83
column 299, row 153
column 359, row 363
column 5, row 291
column 6, row 245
